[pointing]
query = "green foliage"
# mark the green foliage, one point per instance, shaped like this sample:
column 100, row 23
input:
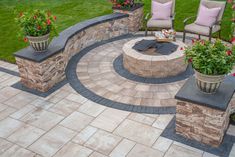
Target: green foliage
column 70, row 12
column 232, row 117
column 210, row 58
column 37, row 23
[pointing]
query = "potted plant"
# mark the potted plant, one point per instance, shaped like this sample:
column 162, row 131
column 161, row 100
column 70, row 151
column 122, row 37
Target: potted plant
column 125, row 4
column 211, row 62
column 37, row 27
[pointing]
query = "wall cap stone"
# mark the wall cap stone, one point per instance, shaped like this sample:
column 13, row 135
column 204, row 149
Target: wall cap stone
column 58, row 43
column 219, row 101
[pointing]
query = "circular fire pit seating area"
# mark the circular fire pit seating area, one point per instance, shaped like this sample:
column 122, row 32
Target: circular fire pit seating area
column 156, row 66
column 42, row 71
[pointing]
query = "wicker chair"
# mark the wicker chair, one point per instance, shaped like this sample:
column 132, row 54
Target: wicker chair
column 160, row 24
column 204, row 30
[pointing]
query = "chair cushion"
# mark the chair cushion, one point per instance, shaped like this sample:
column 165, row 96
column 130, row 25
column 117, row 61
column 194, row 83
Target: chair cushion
column 203, row 30
column 207, row 16
column 161, row 11
column 159, row 23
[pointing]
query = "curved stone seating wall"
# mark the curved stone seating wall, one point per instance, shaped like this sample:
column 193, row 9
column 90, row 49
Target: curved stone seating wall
column 41, row 71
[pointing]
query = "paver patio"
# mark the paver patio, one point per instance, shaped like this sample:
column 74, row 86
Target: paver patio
column 66, row 124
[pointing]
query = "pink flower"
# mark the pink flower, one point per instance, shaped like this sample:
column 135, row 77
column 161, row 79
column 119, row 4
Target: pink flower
column 48, row 22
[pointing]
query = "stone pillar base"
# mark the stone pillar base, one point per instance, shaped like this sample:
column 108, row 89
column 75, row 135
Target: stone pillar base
column 135, row 19
column 200, row 123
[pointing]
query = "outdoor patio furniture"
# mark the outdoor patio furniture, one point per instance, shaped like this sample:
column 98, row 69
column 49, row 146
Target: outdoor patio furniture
column 160, row 23
column 196, row 28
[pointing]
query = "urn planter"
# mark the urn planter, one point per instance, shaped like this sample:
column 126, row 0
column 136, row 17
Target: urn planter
column 208, row 83
column 40, row 43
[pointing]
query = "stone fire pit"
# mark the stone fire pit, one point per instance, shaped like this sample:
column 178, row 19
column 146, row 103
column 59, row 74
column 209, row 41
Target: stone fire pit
column 151, row 63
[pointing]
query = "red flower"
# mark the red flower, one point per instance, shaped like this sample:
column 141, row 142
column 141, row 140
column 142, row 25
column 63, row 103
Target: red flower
column 55, row 18
column 229, row 52
column 193, row 41
column 230, row 1
column 233, row 40
column 25, row 39
column 119, row 5
column 233, row 74
column 21, row 14
column 34, row 17
column 48, row 22
column 39, row 27
column 190, row 60
column 181, row 48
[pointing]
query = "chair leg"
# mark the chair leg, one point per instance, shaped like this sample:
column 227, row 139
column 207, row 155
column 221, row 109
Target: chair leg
column 199, row 36
column 184, row 36
column 219, row 34
column 146, row 31
column 210, row 38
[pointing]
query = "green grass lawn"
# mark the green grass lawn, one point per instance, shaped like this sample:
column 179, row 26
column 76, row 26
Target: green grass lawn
column 70, row 12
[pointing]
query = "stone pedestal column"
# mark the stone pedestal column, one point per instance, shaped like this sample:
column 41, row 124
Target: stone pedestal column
column 203, row 124
column 135, row 19
column 204, row 117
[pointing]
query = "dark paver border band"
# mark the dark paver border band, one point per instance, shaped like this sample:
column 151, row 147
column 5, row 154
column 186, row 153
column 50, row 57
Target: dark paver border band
column 223, row 150
column 11, row 72
column 119, row 68
column 81, row 89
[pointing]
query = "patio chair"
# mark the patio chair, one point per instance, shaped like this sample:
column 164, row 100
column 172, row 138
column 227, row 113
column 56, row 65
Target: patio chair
column 160, row 24
column 206, row 30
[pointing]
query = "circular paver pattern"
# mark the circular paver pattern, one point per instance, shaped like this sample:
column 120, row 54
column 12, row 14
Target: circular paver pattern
column 153, row 66
column 96, row 73
column 92, row 73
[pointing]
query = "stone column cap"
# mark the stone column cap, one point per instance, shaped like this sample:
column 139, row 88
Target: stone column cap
column 220, row 100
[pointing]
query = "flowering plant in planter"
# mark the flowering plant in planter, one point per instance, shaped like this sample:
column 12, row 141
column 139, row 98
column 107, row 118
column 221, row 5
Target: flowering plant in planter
column 37, row 26
column 211, row 62
column 122, row 3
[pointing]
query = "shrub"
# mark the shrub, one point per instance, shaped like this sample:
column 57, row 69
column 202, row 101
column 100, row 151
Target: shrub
column 211, row 58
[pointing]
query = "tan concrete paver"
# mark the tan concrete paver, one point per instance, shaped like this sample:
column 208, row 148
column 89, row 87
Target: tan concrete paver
column 141, row 118
column 6, row 112
column 23, row 111
column 42, row 119
column 96, row 154
column 103, row 142
column 52, row 141
column 65, row 107
column 162, row 121
column 76, row 97
column 16, row 151
column 8, row 92
column 138, row 132
column 8, row 126
column 84, row 135
column 123, row 148
column 20, row 100
column 73, row 150
column 26, row 135
column 4, row 145
column 143, row 151
column 109, row 119
column 162, row 144
column 76, row 121
column 178, row 151
column 91, row 108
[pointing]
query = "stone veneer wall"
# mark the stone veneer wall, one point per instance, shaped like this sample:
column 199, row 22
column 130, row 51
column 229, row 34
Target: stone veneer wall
column 201, row 123
column 135, row 19
column 43, row 71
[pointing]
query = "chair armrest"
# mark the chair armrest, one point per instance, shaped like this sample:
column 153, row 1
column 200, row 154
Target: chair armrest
column 147, row 17
column 186, row 20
